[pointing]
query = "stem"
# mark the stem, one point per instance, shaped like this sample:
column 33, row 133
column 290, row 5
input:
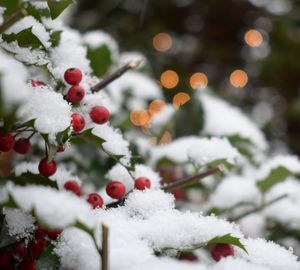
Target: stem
column 115, row 75
column 259, row 208
column 104, row 252
column 190, row 179
column 31, row 135
column 12, row 20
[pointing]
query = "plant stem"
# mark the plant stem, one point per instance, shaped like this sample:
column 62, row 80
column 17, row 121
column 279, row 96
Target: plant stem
column 190, row 179
column 12, row 20
column 115, row 75
column 259, row 208
column 104, row 252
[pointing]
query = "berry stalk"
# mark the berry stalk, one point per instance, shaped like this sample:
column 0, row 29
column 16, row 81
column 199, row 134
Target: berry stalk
column 115, row 75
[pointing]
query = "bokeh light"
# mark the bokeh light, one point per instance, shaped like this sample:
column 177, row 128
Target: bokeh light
column 140, row 117
column 166, row 138
column 253, row 38
column 169, row 79
column 162, row 42
column 180, row 99
column 238, row 78
column 156, row 106
column 198, row 80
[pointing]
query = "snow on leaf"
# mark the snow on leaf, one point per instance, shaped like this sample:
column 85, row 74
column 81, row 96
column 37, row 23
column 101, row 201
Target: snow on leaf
column 227, row 239
column 57, row 7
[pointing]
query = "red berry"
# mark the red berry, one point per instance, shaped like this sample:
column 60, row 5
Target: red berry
column 40, row 232
column 60, row 148
column 36, row 83
column 115, row 189
column 75, row 94
column 221, row 250
column 142, row 183
column 21, row 250
column 7, row 142
column 5, row 259
column 54, row 234
column 73, row 76
column 189, row 256
column 99, row 115
column 77, row 122
column 95, row 200
column 73, row 186
column 22, row 146
column 179, row 194
column 37, row 247
column 47, row 168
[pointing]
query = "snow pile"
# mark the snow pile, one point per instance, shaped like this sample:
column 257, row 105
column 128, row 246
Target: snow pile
column 52, row 114
column 20, row 225
column 234, row 190
column 222, row 119
column 204, row 151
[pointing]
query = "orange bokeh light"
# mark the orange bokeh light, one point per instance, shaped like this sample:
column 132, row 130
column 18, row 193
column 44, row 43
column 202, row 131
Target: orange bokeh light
column 253, row 38
column 198, row 80
column 156, row 106
column 166, row 138
column 180, row 99
column 238, row 78
column 162, row 42
column 169, row 79
column 140, row 117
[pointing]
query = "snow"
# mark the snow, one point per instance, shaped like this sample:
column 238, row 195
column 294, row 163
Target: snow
column 20, row 225
column 146, row 171
column 222, row 119
column 291, row 163
column 206, row 150
column 76, row 250
column 127, row 57
column 120, row 173
column 36, row 28
column 234, row 190
column 114, row 142
column 51, row 112
column 160, row 118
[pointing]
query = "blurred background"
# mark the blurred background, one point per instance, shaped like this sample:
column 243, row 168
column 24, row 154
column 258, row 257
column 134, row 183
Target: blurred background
column 248, row 51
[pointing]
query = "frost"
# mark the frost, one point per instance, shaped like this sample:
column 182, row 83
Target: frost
column 114, row 142
column 52, row 114
column 234, row 190
column 222, row 119
column 76, row 250
column 36, row 28
column 20, row 224
column 204, row 151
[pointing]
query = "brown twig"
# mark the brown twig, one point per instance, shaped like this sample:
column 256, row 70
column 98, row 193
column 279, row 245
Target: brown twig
column 259, row 208
column 12, row 20
column 104, row 251
column 115, row 75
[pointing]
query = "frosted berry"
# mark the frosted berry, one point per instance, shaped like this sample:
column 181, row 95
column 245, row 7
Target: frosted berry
column 95, row 200
column 73, row 186
column 47, row 168
column 40, row 232
column 54, row 234
column 75, row 94
column 221, row 250
column 73, row 76
column 36, row 83
column 115, row 189
column 142, row 183
column 99, row 115
column 22, row 146
column 6, row 259
column 78, row 122
column 7, row 142
column 60, row 148
column 37, row 247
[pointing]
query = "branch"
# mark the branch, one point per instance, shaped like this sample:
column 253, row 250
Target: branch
column 115, row 75
column 104, row 252
column 259, row 208
column 176, row 184
column 12, row 20
column 190, row 179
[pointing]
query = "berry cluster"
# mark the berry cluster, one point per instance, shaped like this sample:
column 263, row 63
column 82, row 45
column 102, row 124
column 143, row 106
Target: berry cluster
column 8, row 142
column 23, row 256
column 114, row 189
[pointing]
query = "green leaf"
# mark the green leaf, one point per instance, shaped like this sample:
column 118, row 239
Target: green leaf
column 10, row 203
column 24, row 38
column 218, row 162
column 101, row 60
column 83, row 227
column 5, row 238
column 228, row 239
column 277, row 175
column 30, row 178
column 87, row 136
column 63, row 136
column 57, row 7
column 11, row 6
column 48, row 259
